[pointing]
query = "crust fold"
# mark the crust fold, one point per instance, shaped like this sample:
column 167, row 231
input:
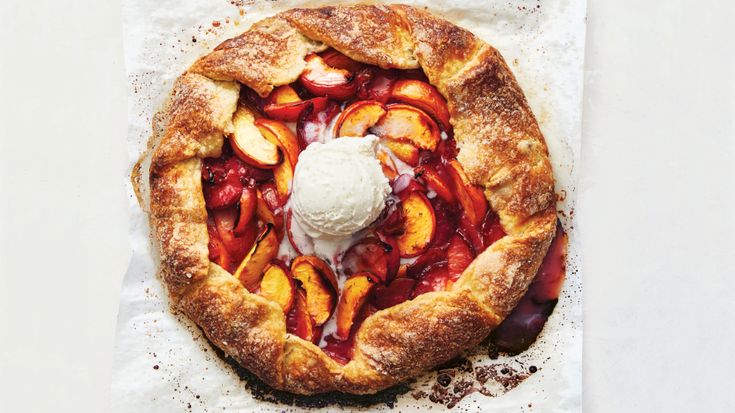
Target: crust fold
column 501, row 148
column 270, row 54
column 249, row 328
column 370, row 34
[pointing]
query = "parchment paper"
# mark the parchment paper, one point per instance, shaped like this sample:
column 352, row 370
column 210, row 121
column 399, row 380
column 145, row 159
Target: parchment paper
column 162, row 361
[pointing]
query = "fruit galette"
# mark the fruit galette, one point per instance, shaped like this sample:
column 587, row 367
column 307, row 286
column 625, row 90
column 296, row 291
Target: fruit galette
column 345, row 197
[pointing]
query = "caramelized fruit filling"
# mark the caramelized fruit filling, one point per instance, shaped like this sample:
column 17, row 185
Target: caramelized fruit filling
column 432, row 227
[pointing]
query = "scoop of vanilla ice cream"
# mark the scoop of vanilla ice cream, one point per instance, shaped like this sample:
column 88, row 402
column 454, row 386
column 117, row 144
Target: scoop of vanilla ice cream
column 338, row 187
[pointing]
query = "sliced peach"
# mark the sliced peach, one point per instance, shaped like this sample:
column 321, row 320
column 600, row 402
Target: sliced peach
column 323, row 80
column 471, row 233
column 420, row 225
column 249, row 144
column 300, row 240
column 402, row 271
column 320, row 294
column 250, row 270
column 269, row 193
column 277, row 285
column 337, row 60
column 280, row 135
column 406, row 183
column 314, row 121
column 217, row 251
column 404, row 151
column 371, row 255
column 357, row 118
column 470, row 197
column 291, row 112
column 407, row 123
column 267, row 215
column 434, row 278
column 394, row 293
column 387, row 164
column 459, row 256
column 283, row 94
column 298, row 321
column 322, row 268
column 237, row 245
column 393, row 224
column 438, row 181
column 356, row 291
column 375, row 84
column 246, row 209
column 283, row 175
column 425, row 97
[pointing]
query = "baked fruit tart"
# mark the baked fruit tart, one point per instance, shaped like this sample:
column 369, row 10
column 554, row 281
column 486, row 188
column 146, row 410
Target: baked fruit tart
column 345, row 197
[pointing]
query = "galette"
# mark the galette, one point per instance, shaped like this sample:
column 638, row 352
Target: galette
column 345, row 197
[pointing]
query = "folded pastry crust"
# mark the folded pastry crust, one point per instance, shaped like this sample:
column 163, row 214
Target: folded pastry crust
column 500, row 147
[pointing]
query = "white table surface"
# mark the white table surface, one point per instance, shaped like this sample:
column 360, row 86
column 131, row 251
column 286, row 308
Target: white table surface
column 656, row 212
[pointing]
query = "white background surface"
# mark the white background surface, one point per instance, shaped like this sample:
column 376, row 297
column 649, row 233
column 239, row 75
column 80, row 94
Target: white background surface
column 656, row 213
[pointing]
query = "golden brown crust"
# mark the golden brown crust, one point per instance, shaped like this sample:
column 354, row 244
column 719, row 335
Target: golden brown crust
column 198, row 114
column 307, row 369
column 248, row 327
column 441, row 48
column 369, row 34
column 271, row 53
column 401, row 341
column 501, row 148
column 500, row 144
column 179, row 218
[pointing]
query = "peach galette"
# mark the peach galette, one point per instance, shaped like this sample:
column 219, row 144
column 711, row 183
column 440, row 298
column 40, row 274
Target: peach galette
column 345, row 197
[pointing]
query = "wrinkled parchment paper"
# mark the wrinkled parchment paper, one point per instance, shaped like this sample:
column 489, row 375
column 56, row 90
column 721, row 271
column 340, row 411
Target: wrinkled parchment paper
column 162, row 361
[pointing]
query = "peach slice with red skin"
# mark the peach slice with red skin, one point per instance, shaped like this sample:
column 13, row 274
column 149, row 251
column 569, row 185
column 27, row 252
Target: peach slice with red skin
column 280, row 135
column 406, row 183
column 354, row 295
column 394, row 293
column 437, row 181
column 434, row 278
column 249, row 144
column 375, row 84
column 237, row 245
column 459, row 257
column 320, row 79
column 425, row 97
column 420, row 224
column 357, row 118
column 277, row 285
column 470, row 197
column 409, row 124
column 283, row 94
column 217, row 251
column 404, row 151
column 264, row 209
column 298, row 320
column 291, row 111
column 374, row 256
column 338, row 60
column 387, row 165
column 323, row 269
column 282, row 176
column 314, row 121
column 300, row 240
column 246, row 210
column 250, row 270
column 317, row 280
